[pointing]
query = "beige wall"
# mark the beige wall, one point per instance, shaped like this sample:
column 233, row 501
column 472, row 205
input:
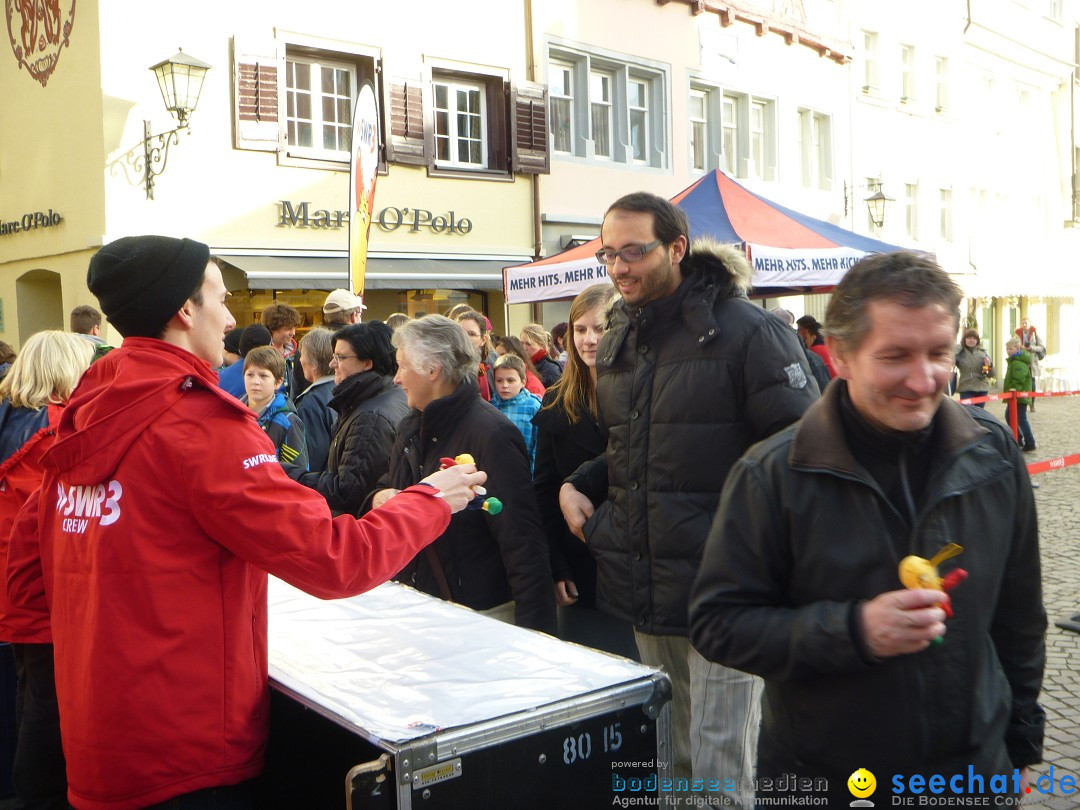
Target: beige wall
column 50, row 158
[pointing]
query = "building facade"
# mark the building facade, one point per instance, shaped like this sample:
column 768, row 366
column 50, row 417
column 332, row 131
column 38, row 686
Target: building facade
column 508, row 127
column 262, row 171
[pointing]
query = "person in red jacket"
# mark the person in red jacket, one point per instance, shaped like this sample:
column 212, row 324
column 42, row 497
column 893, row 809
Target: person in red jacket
column 34, row 393
column 810, row 332
column 161, row 510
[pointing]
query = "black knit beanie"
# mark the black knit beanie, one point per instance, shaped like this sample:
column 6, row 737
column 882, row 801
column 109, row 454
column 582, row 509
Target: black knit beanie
column 142, row 281
column 254, row 336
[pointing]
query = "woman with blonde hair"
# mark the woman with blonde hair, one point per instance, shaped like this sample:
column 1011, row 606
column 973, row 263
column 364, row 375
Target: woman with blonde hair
column 568, row 435
column 541, row 349
column 34, row 392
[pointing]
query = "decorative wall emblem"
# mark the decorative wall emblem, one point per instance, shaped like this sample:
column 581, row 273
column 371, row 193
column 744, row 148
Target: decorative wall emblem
column 38, row 30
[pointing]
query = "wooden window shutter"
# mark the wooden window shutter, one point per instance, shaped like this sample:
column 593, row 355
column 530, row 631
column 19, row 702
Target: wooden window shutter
column 256, row 82
column 405, row 121
column 532, row 151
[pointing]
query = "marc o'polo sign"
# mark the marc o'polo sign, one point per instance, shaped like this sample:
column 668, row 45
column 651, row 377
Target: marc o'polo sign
column 305, row 215
column 30, row 221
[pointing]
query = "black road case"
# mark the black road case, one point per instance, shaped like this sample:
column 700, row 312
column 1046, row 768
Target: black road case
column 395, row 700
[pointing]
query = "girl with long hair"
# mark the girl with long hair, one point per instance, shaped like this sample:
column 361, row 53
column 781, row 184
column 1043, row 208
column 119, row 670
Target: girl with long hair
column 569, row 435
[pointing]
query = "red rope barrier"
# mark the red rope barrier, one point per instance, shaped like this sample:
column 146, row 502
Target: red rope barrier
column 1059, row 463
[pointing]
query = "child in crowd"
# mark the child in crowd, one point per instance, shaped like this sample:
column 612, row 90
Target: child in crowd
column 264, row 370
column 517, row 404
column 1018, row 378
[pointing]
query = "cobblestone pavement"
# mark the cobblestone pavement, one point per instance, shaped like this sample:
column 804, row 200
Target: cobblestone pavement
column 1056, row 423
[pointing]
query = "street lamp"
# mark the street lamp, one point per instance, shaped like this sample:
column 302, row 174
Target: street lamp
column 875, row 203
column 180, row 79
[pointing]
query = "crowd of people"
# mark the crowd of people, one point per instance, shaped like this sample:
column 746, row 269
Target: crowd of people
column 687, row 479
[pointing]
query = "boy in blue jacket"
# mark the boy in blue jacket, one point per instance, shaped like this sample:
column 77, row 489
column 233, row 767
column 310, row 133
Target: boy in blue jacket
column 264, row 370
column 516, row 404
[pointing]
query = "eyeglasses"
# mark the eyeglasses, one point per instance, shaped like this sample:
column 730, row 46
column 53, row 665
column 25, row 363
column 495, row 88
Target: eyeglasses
column 341, row 358
column 633, row 253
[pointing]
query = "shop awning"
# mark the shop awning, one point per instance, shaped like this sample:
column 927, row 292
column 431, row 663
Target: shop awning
column 383, row 273
column 287, row 272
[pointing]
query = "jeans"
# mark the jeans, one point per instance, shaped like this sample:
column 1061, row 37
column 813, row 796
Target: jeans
column 972, row 395
column 227, row 797
column 38, row 773
column 1027, row 438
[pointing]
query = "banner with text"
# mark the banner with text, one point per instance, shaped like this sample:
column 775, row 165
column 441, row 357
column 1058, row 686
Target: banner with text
column 800, row 267
column 522, row 285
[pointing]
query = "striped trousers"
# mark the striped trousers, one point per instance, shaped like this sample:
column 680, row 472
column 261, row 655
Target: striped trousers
column 716, row 716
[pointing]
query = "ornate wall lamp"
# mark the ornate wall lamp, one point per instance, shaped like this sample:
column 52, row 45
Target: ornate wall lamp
column 875, row 203
column 180, row 79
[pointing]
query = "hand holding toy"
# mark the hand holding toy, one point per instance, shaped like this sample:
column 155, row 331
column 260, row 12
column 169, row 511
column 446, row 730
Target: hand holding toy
column 490, row 505
column 919, row 572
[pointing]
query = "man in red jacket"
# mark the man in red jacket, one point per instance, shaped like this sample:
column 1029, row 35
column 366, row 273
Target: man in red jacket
column 161, row 509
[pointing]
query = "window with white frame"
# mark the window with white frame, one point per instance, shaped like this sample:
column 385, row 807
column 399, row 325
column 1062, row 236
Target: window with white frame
column 460, row 118
column 600, row 112
column 870, row 62
column 609, row 107
column 941, row 84
column 699, row 129
column 729, row 153
column 814, row 131
column 911, row 210
column 705, row 125
column 638, row 106
column 318, row 106
column 907, row 73
column 561, row 100
column 945, row 222
column 749, row 136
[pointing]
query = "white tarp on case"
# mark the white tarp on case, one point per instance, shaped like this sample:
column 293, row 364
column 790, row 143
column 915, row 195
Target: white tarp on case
column 399, row 664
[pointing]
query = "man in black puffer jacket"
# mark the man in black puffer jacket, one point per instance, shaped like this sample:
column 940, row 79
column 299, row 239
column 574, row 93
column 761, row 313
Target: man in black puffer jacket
column 689, row 375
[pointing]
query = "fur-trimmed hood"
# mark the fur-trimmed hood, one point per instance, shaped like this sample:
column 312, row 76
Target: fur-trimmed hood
column 726, row 261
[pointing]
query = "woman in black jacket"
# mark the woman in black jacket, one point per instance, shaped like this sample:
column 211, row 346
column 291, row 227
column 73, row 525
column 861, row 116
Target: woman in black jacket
column 497, row 564
column 568, row 435
column 369, row 408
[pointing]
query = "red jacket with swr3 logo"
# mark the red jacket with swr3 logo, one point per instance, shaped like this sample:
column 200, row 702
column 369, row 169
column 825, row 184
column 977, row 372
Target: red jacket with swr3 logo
column 161, row 509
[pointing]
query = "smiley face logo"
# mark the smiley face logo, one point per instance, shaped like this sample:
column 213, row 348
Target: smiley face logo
column 862, row 783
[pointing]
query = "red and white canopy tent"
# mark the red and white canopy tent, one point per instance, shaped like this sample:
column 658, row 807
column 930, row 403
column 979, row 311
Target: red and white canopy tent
column 790, row 252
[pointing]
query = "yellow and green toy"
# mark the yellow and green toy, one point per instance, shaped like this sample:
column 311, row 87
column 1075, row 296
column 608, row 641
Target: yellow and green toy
column 490, row 505
column 919, row 572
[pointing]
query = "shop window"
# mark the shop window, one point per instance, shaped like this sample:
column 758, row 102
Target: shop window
column 417, row 303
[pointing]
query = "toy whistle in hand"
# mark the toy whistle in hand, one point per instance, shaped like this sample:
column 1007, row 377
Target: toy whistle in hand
column 490, row 505
column 919, row 572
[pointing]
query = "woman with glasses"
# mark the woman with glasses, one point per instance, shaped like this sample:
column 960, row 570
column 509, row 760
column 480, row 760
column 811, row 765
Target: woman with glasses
column 567, row 436
column 369, row 408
